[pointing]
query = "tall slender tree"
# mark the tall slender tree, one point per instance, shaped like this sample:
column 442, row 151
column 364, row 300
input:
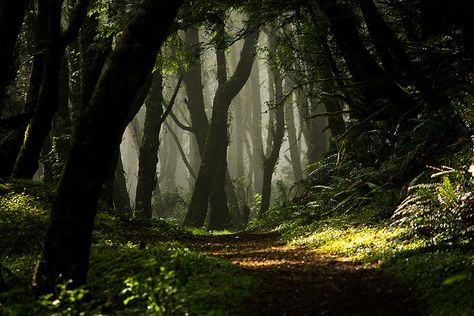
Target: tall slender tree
column 277, row 131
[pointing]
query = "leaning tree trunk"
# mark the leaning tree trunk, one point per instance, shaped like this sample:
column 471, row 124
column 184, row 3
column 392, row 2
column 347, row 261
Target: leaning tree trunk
column 12, row 13
column 48, row 100
column 215, row 142
column 97, row 135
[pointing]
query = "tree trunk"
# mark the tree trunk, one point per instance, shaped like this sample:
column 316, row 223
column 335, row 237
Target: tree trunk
column 192, row 81
column 61, row 130
column 219, row 216
column 11, row 143
column 93, row 54
column 48, row 100
column 148, row 156
column 215, row 141
column 294, row 143
column 376, row 84
column 393, row 55
column 97, row 135
column 256, row 130
column 12, row 13
column 278, row 132
column 120, row 193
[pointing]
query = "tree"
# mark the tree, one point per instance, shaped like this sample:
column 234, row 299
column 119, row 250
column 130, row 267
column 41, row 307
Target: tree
column 48, row 99
column 277, row 132
column 216, row 145
column 376, row 84
column 97, row 136
column 12, row 13
column 148, row 155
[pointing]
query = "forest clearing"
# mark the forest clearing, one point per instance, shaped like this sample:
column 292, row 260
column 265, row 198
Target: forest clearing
column 236, row 157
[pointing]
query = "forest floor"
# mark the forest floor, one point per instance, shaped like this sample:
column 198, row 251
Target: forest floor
column 301, row 281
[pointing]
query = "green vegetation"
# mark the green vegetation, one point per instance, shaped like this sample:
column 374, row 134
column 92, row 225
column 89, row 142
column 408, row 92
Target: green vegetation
column 134, row 269
column 427, row 243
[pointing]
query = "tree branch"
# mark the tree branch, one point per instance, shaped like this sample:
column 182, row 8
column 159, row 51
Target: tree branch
column 181, row 151
column 181, row 125
column 171, row 103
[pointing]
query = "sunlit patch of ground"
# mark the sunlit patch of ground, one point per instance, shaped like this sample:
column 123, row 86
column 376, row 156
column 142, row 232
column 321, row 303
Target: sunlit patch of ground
column 301, row 281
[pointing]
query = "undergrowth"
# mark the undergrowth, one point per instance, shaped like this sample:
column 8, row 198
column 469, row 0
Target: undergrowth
column 399, row 199
column 135, row 267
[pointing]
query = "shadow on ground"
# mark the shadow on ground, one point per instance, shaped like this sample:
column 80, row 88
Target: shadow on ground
column 298, row 281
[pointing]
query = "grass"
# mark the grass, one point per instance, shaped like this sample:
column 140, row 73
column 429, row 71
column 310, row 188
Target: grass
column 164, row 278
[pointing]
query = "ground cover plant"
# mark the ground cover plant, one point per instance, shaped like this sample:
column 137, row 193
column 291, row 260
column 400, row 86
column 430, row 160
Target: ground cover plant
column 135, row 267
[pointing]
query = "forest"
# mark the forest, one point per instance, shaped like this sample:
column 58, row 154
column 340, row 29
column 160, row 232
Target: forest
column 236, row 157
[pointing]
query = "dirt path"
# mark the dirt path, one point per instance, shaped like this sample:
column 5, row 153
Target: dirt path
column 297, row 281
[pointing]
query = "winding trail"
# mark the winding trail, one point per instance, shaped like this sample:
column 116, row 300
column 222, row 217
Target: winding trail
column 298, row 281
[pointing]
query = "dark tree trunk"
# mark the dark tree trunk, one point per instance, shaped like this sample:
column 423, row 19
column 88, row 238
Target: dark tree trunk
column 278, row 132
column 107, row 194
column 219, row 216
column 393, row 55
column 11, row 143
column 48, row 100
column 376, row 84
column 12, row 13
column 192, row 81
column 120, row 193
column 55, row 153
column 256, row 131
column 148, row 153
column 215, row 140
column 93, row 53
column 97, row 135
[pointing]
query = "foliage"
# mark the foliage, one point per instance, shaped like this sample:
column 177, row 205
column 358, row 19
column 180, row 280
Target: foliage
column 23, row 209
column 441, row 209
column 174, row 204
column 132, row 270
